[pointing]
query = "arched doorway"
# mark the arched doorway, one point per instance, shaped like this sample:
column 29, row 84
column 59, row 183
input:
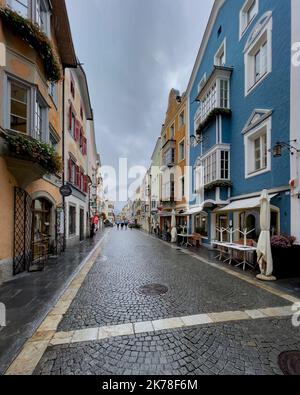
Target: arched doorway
column 41, row 228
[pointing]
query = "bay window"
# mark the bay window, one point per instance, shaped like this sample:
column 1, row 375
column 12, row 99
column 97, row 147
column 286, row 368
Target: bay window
column 214, row 94
column 215, row 164
column 22, row 7
column 38, row 11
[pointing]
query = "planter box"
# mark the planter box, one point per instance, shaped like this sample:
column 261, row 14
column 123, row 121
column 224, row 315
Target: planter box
column 286, row 262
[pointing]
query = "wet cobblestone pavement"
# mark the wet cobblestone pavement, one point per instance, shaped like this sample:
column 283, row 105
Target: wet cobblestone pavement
column 110, row 296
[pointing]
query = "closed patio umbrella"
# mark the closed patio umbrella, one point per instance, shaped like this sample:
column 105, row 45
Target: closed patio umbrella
column 173, row 226
column 264, row 252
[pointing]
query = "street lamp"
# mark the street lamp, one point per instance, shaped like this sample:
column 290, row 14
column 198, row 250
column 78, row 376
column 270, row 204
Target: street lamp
column 280, row 145
column 196, row 139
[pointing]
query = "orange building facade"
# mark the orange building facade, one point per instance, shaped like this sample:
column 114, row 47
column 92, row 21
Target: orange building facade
column 31, row 131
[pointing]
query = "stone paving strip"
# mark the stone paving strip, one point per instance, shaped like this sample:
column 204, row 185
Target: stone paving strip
column 35, row 347
column 107, row 332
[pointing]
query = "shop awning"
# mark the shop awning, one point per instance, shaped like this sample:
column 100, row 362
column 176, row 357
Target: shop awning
column 194, row 210
column 244, row 204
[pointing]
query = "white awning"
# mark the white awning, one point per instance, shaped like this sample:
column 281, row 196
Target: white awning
column 244, row 204
column 194, row 210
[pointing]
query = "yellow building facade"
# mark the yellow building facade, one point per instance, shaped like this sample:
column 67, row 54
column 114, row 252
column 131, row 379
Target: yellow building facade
column 173, row 160
column 31, row 130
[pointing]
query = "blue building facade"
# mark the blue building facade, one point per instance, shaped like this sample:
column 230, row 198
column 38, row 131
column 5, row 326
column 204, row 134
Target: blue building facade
column 242, row 101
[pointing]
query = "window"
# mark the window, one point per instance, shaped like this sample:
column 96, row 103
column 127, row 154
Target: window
column 72, row 171
column 72, row 87
column 53, row 139
column 20, row 6
column 181, row 151
column 182, row 187
column 19, row 107
column 182, row 119
column 258, row 54
column 169, row 157
column 72, row 220
column 42, row 15
column 224, row 93
column 216, row 165
column 209, row 102
column 260, row 68
column 27, row 111
column 38, row 121
column 53, row 92
column 260, row 152
column 247, row 15
column 38, row 11
column 172, row 132
column 257, row 145
column 220, row 57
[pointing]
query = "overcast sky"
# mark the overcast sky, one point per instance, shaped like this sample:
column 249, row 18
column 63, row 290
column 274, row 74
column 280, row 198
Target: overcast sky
column 134, row 52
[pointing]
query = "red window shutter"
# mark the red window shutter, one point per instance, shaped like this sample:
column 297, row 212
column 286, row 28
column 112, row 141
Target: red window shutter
column 76, row 130
column 81, row 139
column 84, row 150
column 77, row 176
column 82, row 181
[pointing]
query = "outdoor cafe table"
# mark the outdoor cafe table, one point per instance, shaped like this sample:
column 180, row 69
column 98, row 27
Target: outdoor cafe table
column 187, row 237
column 231, row 247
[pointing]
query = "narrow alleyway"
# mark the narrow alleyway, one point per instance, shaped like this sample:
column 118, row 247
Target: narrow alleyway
column 149, row 333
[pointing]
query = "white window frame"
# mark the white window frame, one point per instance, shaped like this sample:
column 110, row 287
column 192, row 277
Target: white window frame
column 33, row 96
column 244, row 23
column 29, row 7
column 211, row 167
column 182, row 142
column 218, row 55
column 32, row 13
column 10, row 81
column 38, row 99
column 265, row 36
column 249, row 139
column 53, row 92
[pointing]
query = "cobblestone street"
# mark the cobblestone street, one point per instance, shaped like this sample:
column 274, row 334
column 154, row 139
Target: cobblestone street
column 209, row 338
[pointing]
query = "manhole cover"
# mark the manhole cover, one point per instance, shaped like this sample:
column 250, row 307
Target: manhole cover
column 289, row 363
column 153, row 289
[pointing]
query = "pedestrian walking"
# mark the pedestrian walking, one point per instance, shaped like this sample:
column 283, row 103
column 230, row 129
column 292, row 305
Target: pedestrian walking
column 118, row 225
column 122, row 225
column 126, row 224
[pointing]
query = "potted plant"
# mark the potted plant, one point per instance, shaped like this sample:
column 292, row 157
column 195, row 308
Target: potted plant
column 285, row 256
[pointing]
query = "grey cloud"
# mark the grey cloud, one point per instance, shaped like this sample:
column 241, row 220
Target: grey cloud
column 134, row 51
